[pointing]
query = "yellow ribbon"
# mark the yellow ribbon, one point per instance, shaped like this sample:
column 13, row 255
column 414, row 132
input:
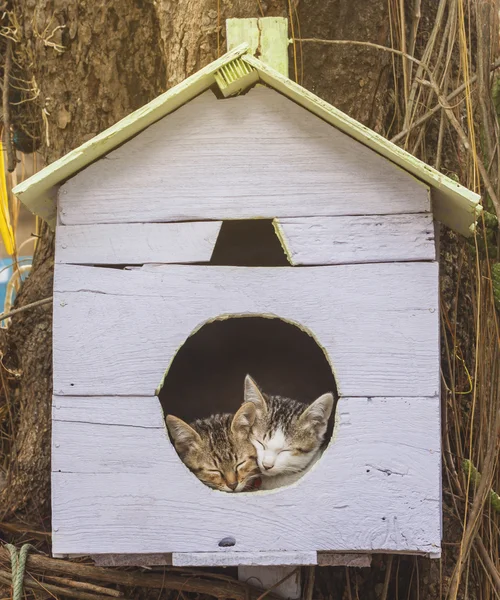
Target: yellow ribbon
column 5, row 224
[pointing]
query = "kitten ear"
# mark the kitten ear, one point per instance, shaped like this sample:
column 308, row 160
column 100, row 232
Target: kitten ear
column 184, row 436
column 243, row 419
column 253, row 394
column 317, row 414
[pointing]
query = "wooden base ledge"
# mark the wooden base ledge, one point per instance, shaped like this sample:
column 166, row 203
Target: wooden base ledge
column 234, row 559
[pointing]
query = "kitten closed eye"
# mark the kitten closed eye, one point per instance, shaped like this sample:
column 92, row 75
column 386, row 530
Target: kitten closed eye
column 288, row 435
column 218, row 449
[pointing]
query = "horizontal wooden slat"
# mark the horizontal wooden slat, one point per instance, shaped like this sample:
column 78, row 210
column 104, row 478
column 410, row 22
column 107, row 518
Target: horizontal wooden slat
column 136, row 243
column 256, row 155
column 235, row 559
column 377, row 487
column 109, row 410
column 377, row 323
column 335, row 559
column 362, row 239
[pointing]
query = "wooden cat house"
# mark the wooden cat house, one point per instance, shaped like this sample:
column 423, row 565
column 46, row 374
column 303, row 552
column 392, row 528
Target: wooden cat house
column 239, row 215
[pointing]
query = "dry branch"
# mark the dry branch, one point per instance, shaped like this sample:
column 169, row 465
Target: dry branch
column 190, row 583
column 32, row 583
column 21, row 309
column 11, row 159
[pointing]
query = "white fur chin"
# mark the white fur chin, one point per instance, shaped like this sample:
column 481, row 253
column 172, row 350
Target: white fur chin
column 271, row 483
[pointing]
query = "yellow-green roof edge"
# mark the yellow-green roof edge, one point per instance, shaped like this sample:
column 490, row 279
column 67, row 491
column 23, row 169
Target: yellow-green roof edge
column 453, row 204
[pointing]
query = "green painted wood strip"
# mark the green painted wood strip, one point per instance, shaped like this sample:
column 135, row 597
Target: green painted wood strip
column 267, row 38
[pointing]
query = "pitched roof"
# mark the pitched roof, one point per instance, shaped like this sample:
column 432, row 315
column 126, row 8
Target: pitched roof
column 453, row 204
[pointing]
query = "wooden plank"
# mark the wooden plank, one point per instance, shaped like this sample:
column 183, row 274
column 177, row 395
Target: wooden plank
column 376, row 488
column 256, row 155
column 132, row 560
column 116, row 331
column 38, row 192
column 139, row 412
column 236, row 559
column 453, row 204
column 336, row 559
column 341, row 240
column 136, row 243
column 267, row 38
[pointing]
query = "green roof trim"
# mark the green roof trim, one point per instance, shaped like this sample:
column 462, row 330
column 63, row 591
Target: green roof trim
column 453, row 204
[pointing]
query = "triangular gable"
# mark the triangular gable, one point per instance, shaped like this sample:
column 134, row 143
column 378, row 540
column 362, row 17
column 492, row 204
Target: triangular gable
column 253, row 156
column 454, row 205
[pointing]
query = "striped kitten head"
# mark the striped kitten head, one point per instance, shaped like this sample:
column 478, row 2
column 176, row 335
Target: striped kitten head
column 288, row 435
column 218, row 449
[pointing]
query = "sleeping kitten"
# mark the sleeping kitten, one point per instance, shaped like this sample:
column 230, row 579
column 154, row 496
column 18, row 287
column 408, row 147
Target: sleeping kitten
column 288, row 435
column 217, row 449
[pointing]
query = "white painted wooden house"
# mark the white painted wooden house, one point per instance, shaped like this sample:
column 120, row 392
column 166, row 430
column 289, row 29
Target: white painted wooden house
column 138, row 211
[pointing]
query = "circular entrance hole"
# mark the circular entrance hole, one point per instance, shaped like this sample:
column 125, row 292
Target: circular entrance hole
column 207, row 374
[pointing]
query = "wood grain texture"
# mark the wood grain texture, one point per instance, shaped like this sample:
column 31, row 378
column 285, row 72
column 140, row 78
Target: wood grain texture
column 336, row 559
column 116, row 331
column 376, row 488
column 236, row 559
column 108, row 410
column 132, row 560
column 342, row 240
column 256, row 155
column 136, row 243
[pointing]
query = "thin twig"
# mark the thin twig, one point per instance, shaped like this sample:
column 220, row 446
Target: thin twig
column 85, row 585
column 15, row 311
column 424, row 118
column 11, row 162
column 488, row 563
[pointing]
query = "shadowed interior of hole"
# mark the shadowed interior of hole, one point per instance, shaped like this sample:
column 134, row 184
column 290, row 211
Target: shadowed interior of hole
column 207, row 374
column 248, row 243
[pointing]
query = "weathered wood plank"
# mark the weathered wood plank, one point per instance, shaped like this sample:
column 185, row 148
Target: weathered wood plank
column 236, row 559
column 109, row 410
column 256, row 155
column 266, row 36
column 376, row 488
column 136, row 243
column 336, row 559
column 132, row 560
column 378, row 324
column 341, row 240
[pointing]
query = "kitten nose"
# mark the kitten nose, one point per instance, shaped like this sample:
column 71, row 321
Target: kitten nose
column 267, row 464
column 233, row 485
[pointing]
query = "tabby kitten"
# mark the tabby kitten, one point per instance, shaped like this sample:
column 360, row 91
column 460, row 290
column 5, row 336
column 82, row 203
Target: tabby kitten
column 288, row 435
column 218, row 449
